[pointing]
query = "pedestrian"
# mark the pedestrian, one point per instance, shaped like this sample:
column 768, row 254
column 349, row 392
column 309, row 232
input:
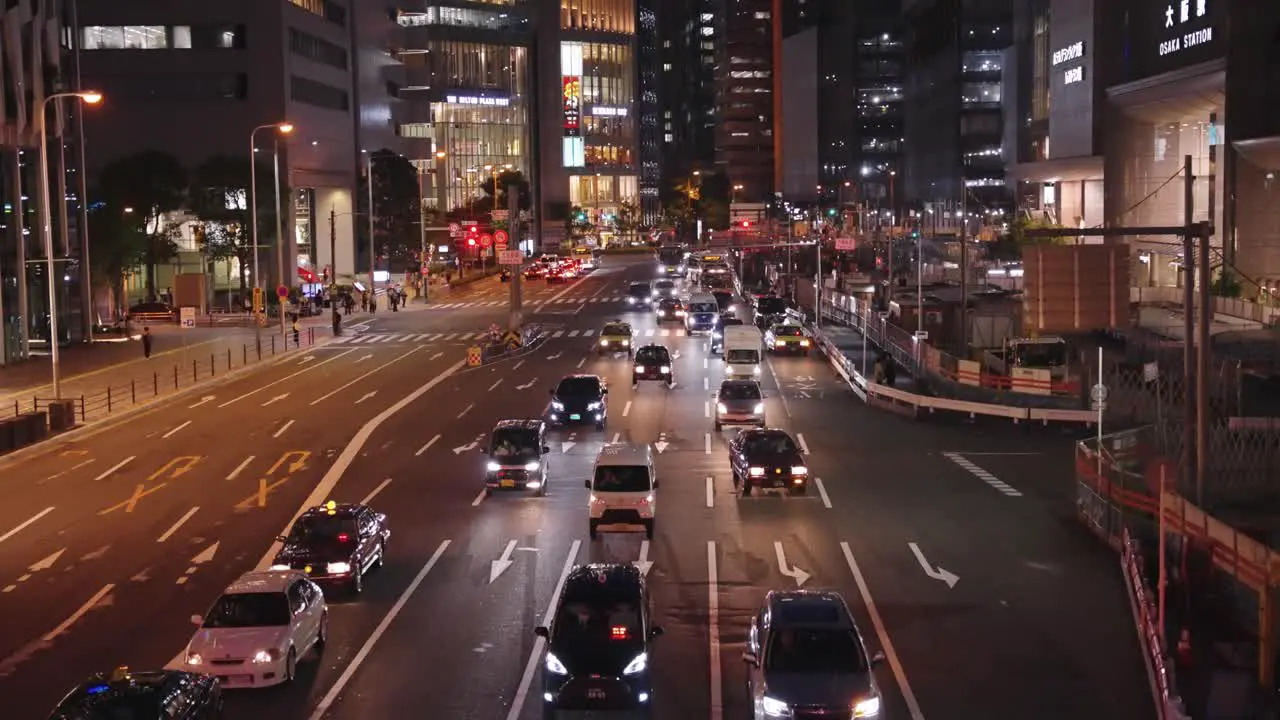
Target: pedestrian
column 146, row 342
column 890, row 370
column 297, row 330
column 364, row 302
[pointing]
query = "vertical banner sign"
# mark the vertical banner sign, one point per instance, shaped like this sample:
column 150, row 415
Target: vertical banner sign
column 572, row 94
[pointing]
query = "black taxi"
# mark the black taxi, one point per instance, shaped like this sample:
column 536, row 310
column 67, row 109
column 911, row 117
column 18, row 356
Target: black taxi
column 335, row 544
column 148, row 695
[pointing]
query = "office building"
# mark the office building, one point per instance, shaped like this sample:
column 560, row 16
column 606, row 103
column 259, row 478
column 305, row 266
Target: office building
column 690, row 34
column 649, row 110
column 748, row 98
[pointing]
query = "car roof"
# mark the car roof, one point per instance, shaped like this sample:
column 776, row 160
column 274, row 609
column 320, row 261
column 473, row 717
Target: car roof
column 518, row 424
column 619, row 577
column 262, row 581
column 763, row 432
column 735, row 383
column 122, row 684
column 653, row 346
column 640, row 284
column 622, row 453
column 808, row 609
column 583, row 375
column 332, row 508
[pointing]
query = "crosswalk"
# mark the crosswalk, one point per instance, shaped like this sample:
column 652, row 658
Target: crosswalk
column 377, row 338
column 532, row 301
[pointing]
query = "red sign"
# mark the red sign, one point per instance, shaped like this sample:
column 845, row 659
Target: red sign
column 572, row 95
column 500, row 239
column 486, row 240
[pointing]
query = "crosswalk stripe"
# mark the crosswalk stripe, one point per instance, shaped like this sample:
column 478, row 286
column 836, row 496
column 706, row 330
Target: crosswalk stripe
column 468, row 336
column 558, row 333
column 450, row 336
column 573, row 333
column 649, row 332
column 681, row 333
column 588, row 333
column 422, row 337
column 666, row 333
column 339, row 340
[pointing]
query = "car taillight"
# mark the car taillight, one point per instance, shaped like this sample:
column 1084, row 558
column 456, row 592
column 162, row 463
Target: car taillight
column 343, row 537
column 618, row 632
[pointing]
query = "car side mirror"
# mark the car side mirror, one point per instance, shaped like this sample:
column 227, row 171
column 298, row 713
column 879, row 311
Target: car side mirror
column 604, row 392
column 542, row 631
column 552, row 392
column 586, row 484
column 656, row 631
column 750, row 659
column 877, row 659
column 655, row 484
column 546, row 449
column 281, row 538
column 197, row 620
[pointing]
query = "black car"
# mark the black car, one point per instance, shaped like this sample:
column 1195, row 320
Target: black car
column 653, row 362
column 639, row 295
column 517, row 458
column 805, row 658
column 669, row 309
column 724, row 298
column 580, row 399
column 148, row 695
column 770, row 311
column 600, row 643
column 335, row 544
column 717, row 335
column 767, row 459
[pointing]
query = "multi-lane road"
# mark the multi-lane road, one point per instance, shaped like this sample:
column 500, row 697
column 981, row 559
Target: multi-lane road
column 954, row 544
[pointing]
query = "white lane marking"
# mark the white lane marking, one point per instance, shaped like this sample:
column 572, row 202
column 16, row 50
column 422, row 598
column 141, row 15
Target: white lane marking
column 360, row 656
column 273, row 383
column 804, row 446
column 116, row 467
column 626, row 409
column 706, row 384
column 713, row 633
column 75, row 616
column 822, row 491
column 340, row 388
column 986, row 477
column 518, row 364
column 705, row 363
column 786, row 407
column 707, row 443
column 711, row 492
column 240, row 468
column 534, row 657
column 495, row 385
column 617, row 436
column 466, row 410
column 706, row 408
column 349, row 453
column 169, row 533
column 174, row 431
column 581, row 362
column 479, row 499
column 375, row 491
column 283, row 427
column 424, row 448
column 895, row 664
column 25, row 523
column 437, row 356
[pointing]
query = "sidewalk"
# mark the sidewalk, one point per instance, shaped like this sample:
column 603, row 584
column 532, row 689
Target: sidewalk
column 849, row 342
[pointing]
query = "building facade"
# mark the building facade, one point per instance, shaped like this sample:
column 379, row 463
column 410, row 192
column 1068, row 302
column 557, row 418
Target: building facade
column 649, row 110
column 747, row 96
column 690, row 34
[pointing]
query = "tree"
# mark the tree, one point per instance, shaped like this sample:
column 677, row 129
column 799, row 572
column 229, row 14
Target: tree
column 219, row 197
column 506, row 181
column 396, row 214
column 627, row 219
column 119, row 245
column 151, row 184
column 577, row 223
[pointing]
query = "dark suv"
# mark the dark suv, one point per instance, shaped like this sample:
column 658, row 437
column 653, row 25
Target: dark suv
column 599, row 645
column 767, row 459
column 517, row 457
column 653, row 362
column 805, row 659
column 639, row 294
column 580, row 399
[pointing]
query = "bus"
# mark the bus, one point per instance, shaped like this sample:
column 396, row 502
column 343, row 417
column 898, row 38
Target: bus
column 672, row 259
column 586, row 260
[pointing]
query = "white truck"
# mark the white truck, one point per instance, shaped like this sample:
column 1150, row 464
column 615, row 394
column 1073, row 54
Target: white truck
column 742, row 351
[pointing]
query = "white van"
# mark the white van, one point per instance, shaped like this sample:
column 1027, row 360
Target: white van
column 702, row 314
column 622, row 486
column 742, row 356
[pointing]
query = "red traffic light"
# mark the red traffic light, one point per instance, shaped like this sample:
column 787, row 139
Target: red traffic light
column 471, row 242
column 746, row 223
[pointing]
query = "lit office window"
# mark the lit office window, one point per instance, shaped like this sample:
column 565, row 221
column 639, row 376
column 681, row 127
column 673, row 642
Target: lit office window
column 126, row 37
column 574, row 153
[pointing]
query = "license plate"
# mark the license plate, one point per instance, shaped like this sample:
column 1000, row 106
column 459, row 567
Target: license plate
column 575, row 417
column 595, row 694
column 507, row 483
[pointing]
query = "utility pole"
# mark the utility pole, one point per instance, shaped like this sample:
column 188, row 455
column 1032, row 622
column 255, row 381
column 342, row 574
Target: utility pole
column 513, row 237
column 1206, row 318
column 1189, row 392
column 333, row 275
column 964, row 268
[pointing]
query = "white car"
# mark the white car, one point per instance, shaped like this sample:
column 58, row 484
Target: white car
column 622, row 487
column 255, row 633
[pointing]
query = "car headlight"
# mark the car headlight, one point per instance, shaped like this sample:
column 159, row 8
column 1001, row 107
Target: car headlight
column 867, row 708
column 804, row 343
column 266, row 656
column 716, row 336
column 604, row 342
column 664, row 369
column 759, row 409
column 557, row 405
column 493, row 466
column 662, row 313
column 555, row 666
column 594, row 406
column 279, row 566
column 799, row 470
column 756, row 472
column 338, row 567
column 780, row 343
column 679, row 313
column 631, row 300
column 732, row 309
column 756, row 370
column 626, row 343
column 720, row 408
column 774, row 708
column 194, row 659
column 637, row 664
column 531, row 466
column 639, row 368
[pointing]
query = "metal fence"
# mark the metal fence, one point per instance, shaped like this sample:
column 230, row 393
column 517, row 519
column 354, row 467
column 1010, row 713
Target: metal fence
column 168, row 379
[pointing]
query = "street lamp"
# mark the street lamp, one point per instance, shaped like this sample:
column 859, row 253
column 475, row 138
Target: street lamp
column 283, row 128
column 734, row 197
column 91, row 97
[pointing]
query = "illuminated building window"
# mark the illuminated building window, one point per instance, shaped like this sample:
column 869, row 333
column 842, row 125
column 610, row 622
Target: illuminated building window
column 616, row 16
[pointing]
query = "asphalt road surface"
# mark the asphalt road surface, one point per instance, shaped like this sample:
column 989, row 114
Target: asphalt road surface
column 953, row 543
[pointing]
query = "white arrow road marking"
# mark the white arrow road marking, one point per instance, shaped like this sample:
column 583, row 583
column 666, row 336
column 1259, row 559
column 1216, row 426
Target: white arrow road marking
column 36, row 567
column 661, row 445
column 535, row 656
column 275, row 399
column 479, row 499
column 795, row 573
column 644, row 565
column 169, row 533
column 27, row 522
column 804, row 446
column 363, row 358
column 283, row 427
column 469, row 446
column 287, row 378
column 557, row 355
column 437, row 356
column 711, row 492
column 306, row 359
column 499, row 566
column 938, row 573
column 203, row 400
column 822, row 492
column 174, row 431
column 466, row 410
column 567, row 445
column 626, row 409
column 424, row 448
column 527, row 385
column 203, row 557
column 366, row 396
column 96, row 554
column 349, row 383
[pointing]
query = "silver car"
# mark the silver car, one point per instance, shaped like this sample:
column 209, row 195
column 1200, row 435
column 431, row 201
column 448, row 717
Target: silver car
column 739, row 402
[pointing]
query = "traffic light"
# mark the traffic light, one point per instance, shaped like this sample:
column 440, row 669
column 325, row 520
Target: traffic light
column 746, row 223
column 471, row 242
column 831, row 212
column 473, row 235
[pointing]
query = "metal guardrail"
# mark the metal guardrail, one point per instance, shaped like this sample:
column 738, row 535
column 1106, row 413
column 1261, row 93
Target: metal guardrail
column 172, row 378
column 1169, row 705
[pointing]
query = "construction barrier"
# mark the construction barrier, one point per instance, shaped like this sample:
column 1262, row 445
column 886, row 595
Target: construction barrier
column 475, row 356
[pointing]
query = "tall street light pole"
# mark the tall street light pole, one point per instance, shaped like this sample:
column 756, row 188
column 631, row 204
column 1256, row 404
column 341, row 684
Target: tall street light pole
column 280, row 273
column 373, row 250
column 46, row 226
column 281, row 127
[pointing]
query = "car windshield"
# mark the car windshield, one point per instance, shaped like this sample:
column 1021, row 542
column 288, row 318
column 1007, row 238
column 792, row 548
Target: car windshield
column 664, row 285
column 616, row 330
column 739, row 391
column 118, row 705
column 669, row 304
column 770, row 444
column 652, row 355
column 579, row 387
column 323, row 527
column 742, row 357
column 787, row 331
column 813, row 650
column 770, row 306
column 730, row 320
column 640, row 290
column 243, row 610
column 704, row 307
column 514, row 444
column 622, row 478
column 597, row 616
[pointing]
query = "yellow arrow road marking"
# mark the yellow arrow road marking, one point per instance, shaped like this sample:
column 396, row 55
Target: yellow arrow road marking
column 176, row 467
column 300, row 459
